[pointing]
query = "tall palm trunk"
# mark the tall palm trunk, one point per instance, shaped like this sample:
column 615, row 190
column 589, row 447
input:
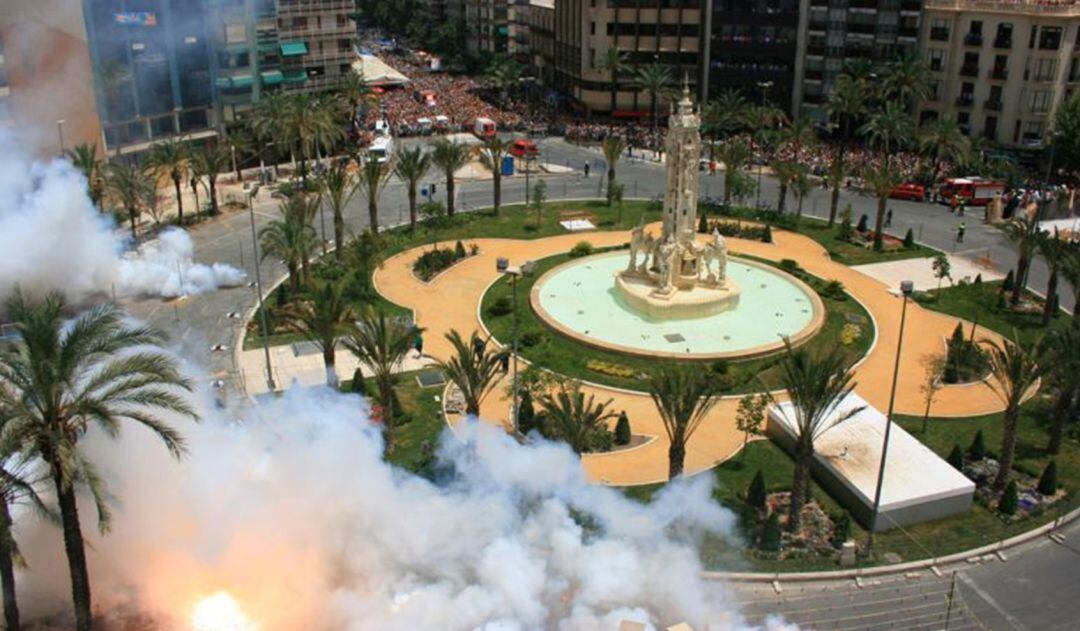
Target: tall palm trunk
column 339, row 234
column 676, row 459
column 195, row 191
column 1008, row 447
column 294, row 279
column 179, row 202
column 386, row 396
column 7, row 570
column 75, row 548
column 1051, row 290
column 212, row 180
column 652, row 110
column 610, row 184
column 1021, row 278
column 834, row 201
column 496, row 180
column 727, row 184
column 1062, row 408
column 329, row 363
column 450, row 195
column 879, row 224
column 412, row 208
column 781, row 202
column 798, row 485
column 373, row 212
column 131, row 216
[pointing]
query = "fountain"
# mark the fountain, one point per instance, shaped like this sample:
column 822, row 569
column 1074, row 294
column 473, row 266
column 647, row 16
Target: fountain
column 677, row 296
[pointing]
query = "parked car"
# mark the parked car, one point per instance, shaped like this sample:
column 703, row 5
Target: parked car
column 523, row 148
column 909, row 191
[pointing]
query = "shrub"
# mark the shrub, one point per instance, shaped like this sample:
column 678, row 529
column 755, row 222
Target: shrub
column 459, row 249
column 526, row 413
column 833, row 289
column 977, row 449
column 581, row 248
column 756, row 493
column 862, row 223
column 720, row 367
column 978, row 279
column 1010, row 280
column 843, row 232
column 1010, row 499
column 1048, row 479
column 789, row 265
column 703, row 224
column 956, row 458
column 430, row 263
column 850, row 333
column 770, row 534
column 909, row 239
column 500, row 307
column 1002, row 304
column 474, row 249
column 950, row 374
column 766, row 235
column 610, row 369
column 622, row 429
column 841, row 531
column 600, row 440
column 358, row 383
column 529, row 339
column 280, row 297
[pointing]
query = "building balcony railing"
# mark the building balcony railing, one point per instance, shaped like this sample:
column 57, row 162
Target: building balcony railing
column 291, row 32
column 1003, row 42
column 1005, row 6
column 973, row 39
column 999, row 74
column 969, row 71
column 965, row 100
column 939, row 34
column 991, row 105
column 308, row 7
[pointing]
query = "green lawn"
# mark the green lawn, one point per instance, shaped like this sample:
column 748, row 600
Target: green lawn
column 569, row 357
column 978, row 303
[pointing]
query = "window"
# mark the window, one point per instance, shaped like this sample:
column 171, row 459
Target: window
column 1045, row 69
column 937, row 59
column 235, row 34
column 1033, row 132
column 976, row 27
column 990, row 127
column 1040, row 101
column 963, row 119
column 935, row 91
column 1050, row 38
column 1003, row 39
column 592, row 28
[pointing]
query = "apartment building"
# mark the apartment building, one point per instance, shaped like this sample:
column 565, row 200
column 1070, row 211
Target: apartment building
column 1001, row 68
column 568, row 40
column 837, row 33
column 749, row 43
column 488, row 26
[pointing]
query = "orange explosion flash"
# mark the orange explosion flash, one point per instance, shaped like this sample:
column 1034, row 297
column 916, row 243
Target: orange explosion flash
column 220, row 612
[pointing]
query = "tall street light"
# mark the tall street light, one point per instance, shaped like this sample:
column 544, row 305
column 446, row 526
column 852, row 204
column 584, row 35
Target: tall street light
column 906, row 288
column 258, row 288
column 503, row 266
column 764, row 86
column 60, row 133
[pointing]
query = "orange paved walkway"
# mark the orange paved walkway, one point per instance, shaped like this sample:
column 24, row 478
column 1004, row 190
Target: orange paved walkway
column 452, row 299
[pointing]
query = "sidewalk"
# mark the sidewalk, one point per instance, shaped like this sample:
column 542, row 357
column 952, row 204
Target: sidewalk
column 301, row 364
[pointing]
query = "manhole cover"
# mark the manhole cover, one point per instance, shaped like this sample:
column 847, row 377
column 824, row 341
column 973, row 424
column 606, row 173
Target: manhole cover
column 430, row 379
column 674, row 338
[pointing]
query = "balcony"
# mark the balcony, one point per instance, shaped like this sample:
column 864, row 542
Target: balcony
column 1000, row 74
column 939, row 34
column 965, row 100
column 992, row 106
column 1004, row 43
column 969, row 70
column 973, row 39
column 816, row 26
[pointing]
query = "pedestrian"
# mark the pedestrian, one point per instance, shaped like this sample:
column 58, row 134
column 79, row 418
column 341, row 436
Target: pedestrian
column 953, row 203
column 586, row 169
column 960, row 209
column 960, row 232
column 888, row 218
column 504, row 362
column 418, row 344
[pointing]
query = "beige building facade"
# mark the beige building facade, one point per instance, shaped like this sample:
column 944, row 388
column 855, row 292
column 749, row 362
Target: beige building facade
column 1001, row 68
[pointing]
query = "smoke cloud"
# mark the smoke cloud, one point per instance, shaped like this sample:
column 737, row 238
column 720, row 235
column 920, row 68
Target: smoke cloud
column 53, row 238
column 285, row 517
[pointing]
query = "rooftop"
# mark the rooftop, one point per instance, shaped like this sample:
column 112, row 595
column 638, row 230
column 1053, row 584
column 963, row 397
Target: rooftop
column 1060, row 8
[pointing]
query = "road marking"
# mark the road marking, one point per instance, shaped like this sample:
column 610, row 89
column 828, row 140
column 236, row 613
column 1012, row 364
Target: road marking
column 988, row 599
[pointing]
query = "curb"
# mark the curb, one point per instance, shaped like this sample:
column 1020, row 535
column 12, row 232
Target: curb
column 836, row 575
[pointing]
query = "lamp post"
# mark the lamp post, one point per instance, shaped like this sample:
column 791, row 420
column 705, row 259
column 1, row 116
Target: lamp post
column 60, row 133
column 258, row 288
column 906, row 288
column 764, row 86
column 503, row 266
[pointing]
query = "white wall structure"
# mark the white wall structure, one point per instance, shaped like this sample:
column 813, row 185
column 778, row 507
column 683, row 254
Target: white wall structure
column 918, row 485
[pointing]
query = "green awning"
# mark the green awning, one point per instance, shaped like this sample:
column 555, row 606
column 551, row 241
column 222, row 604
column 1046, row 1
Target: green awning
column 296, row 76
column 504, row 30
column 242, row 81
column 272, row 77
column 292, row 49
column 223, row 82
column 271, row 47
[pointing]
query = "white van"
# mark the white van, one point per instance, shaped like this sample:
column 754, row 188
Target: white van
column 382, row 128
column 381, row 149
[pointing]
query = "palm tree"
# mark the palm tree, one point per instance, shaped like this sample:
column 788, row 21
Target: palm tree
column 373, row 177
column 889, row 129
column 241, row 143
column 801, row 187
column 735, row 154
column 111, row 75
column 504, row 73
column 1055, row 251
column 449, row 156
column 474, row 372
column 491, row 157
column 356, row 91
column 1023, row 231
column 943, row 141
column 128, row 183
column 683, row 397
column 84, row 157
column 338, row 187
column 837, row 173
column 1016, row 369
column 291, row 238
column 208, row 162
column 725, row 114
column 846, row 104
column 323, row 319
column 268, row 123
column 881, row 180
column 784, row 172
column 20, row 478
column 1062, row 362
column 412, row 166
column 906, row 80
column 815, row 386
column 309, row 123
column 613, row 147
column 381, row 342
column 170, row 158
column 800, row 133
column 656, row 80
column 61, row 377
column 573, row 418
column 613, row 62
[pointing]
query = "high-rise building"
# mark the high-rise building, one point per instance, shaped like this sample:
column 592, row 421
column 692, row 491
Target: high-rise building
column 837, row 33
column 748, row 43
column 1001, row 68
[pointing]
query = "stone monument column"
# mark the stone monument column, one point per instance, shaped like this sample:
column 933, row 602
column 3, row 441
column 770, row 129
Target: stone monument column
column 683, row 152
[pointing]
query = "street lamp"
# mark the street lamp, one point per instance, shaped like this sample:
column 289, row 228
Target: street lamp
column 60, row 133
column 764, row 86
column 906, row 288
column 502, row 265
column 258, row 288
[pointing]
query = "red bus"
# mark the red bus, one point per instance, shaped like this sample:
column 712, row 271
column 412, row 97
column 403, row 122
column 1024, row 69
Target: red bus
column 973, row 191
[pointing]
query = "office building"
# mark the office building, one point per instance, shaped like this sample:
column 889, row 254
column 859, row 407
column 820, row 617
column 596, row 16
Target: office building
column 1001, row 69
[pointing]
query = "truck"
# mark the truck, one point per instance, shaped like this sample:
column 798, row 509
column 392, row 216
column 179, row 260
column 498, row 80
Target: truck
column 381, row 149
column 484, row 128
column 972, row 191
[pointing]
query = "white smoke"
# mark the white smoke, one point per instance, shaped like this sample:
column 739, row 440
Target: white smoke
column 292, row 512
column 52, row 238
